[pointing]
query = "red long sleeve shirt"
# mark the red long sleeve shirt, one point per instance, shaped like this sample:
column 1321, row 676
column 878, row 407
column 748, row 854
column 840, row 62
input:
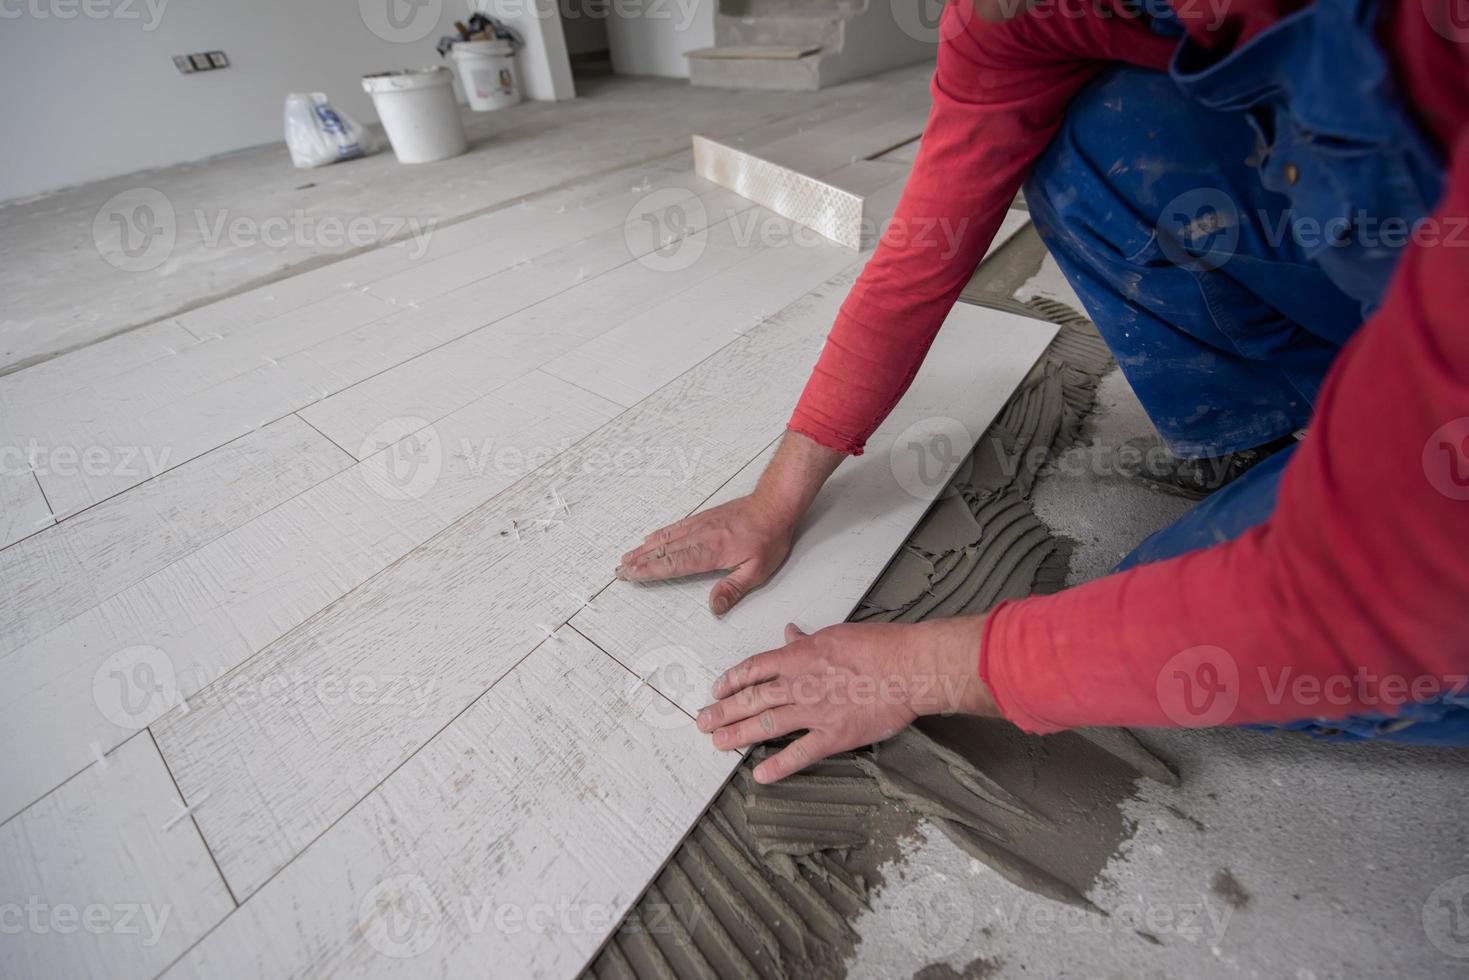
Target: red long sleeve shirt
column 1354, row 596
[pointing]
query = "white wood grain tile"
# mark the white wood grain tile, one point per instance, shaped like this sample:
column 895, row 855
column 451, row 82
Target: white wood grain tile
column 89, row 365
column 639, row 356
column 172, row 409
column 444, row 622
column 198, row 618
column 512, row 843
column 665, row 631
column 100, row 878
column 448, row 377
column 60, row 573
column 23, row 509
column 521, row 230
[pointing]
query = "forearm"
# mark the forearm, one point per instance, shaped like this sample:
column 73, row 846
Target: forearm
column 795, row 476
column 946, row 665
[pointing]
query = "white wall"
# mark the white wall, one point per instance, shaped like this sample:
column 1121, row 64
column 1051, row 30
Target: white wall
column 649, row 37
column 91, row 90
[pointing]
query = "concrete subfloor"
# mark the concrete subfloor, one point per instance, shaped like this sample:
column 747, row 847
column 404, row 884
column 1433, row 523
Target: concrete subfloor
column 1278, row 857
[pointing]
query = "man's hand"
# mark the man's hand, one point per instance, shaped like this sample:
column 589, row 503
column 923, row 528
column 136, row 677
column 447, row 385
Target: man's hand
column 742, row 535
column 751, row 535
column 846, row 686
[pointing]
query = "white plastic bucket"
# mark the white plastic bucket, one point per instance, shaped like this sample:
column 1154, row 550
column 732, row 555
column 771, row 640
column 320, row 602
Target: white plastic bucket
column 418, row 111
column 487, row 72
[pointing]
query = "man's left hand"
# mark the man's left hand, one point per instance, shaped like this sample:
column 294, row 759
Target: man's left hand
column 846, row 686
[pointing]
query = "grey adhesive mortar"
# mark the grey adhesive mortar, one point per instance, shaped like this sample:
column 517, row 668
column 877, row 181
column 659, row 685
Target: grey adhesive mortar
column 1277, row 856
column 967, row 849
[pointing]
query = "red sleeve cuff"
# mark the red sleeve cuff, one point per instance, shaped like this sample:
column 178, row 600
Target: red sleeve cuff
column 823, row 435
column 998, row 664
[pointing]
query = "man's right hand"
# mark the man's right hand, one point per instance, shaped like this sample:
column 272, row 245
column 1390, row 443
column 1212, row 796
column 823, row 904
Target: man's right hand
column 750, row 536
column 744, row 535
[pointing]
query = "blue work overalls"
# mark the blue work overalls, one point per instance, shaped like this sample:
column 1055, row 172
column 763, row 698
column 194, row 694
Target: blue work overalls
column 1224, row 224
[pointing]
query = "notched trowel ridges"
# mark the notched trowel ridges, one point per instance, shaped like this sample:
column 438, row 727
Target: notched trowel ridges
column 783, row 869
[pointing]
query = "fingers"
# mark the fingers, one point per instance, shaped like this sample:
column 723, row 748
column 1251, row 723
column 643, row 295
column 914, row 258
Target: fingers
column 793, row 633
column 804, row 751
column 753, row 670
column 768, row 724
column 662, row 538
column 734, row 586
column 686, row 558
column 750, row 701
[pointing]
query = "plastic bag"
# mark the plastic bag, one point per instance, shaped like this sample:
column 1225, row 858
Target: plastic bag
column 317, row 134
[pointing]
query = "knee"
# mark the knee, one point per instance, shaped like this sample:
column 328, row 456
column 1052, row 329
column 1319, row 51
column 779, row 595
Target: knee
column 1127, row 147
column 1084, row 191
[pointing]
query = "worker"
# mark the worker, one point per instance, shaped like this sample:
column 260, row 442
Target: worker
column 1264, row 206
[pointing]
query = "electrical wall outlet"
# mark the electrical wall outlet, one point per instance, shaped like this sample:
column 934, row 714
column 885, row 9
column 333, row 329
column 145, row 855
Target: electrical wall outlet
column 187, row 64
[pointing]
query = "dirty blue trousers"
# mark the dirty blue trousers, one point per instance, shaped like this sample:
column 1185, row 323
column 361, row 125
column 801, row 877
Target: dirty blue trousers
column 1228, row 226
